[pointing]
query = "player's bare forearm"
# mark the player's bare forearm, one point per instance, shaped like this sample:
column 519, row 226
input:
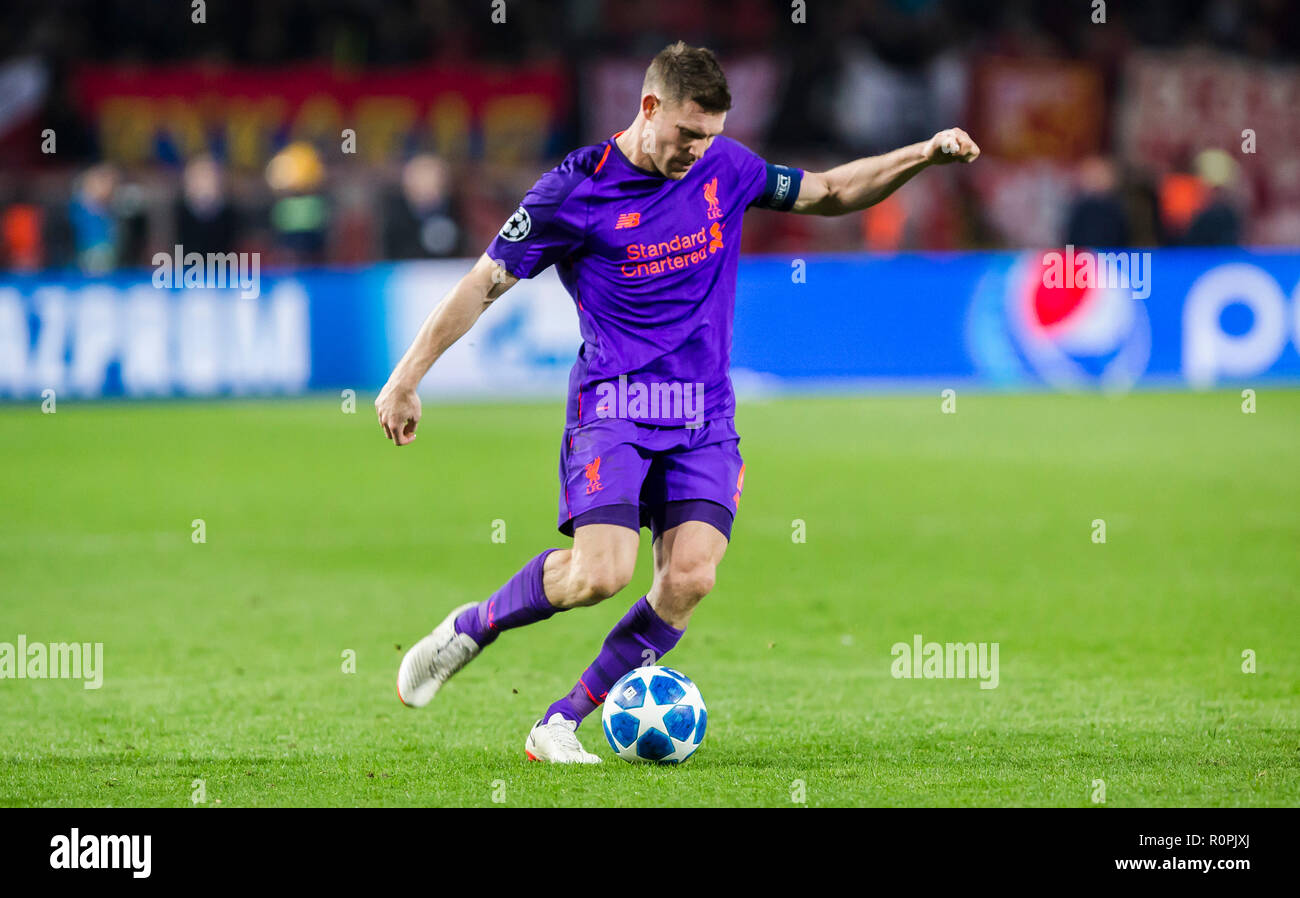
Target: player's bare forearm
column 856, row 185
column 863, row 182
column 450, row 320
column 398, row 405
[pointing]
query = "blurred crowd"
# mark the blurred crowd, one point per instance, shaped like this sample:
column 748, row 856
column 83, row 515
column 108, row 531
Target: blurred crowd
column 109, row 221
column 386, row 32
column 857, row 78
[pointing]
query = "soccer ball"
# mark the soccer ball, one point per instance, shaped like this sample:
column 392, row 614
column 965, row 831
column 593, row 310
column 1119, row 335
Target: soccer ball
column 654, row 714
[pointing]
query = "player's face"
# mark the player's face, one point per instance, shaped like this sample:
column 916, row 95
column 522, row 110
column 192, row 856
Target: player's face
column 681, row 133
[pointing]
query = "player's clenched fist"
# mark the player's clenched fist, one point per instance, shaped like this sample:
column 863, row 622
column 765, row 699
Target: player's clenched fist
column 399, row 411
column 950, row 146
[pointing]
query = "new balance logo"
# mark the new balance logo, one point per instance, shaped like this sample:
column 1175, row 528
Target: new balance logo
column 628, row 220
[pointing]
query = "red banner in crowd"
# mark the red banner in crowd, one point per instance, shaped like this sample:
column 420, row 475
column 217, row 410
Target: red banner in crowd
column 1175, row 105
column 142, row 112
column 1038, row 108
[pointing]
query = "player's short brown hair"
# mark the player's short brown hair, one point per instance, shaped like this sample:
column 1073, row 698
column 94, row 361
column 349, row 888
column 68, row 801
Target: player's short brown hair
column 680, row 73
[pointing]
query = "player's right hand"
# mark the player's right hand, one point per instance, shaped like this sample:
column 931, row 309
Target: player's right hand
column 951, row 145
column 398, row 408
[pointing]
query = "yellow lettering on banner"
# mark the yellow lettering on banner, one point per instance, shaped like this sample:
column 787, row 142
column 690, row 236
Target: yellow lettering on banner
column 382, row 121
column 126, row 128
column 182, row 120
column 514, row 128
column 249, row 126
column 318, row 118
column 449, row 126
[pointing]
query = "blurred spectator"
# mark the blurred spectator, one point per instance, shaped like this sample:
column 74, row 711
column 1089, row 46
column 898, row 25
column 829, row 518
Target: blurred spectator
column 1218, row 223
column 420, row 217
column 1142, row 203
column 1097, row 217
column 1182, row 196
column 1200, row 208
column 131, row 210
column 205, row 221
column 95, row 228
column 300, row 211
column 22, row 245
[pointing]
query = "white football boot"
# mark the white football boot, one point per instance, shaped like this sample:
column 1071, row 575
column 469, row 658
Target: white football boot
column 557, row 742
column 432, row 661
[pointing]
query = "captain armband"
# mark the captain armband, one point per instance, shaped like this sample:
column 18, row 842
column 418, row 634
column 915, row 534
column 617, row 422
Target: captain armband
column 782, row 188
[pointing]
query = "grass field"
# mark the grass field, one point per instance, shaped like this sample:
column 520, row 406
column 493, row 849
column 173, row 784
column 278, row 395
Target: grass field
column 223, row 661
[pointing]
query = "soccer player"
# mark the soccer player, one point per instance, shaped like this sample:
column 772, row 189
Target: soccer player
column 644, row 232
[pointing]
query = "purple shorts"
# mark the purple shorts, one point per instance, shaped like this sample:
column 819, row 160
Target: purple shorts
column 616, row 471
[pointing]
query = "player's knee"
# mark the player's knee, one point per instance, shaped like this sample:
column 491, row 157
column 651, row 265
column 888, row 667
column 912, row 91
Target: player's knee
column 689, row 582
column 595, row 583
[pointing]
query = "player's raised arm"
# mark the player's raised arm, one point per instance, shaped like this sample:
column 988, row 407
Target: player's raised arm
column 398, row 406
column 856, row 185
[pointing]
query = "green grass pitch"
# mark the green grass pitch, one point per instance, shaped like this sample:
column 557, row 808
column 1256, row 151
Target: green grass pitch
column 223, row 661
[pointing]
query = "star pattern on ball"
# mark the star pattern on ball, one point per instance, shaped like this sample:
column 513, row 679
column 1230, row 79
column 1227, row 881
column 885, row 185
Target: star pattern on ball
column 654, row 714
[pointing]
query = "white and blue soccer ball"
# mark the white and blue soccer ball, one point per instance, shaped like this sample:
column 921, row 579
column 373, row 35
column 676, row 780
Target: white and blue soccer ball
column 654, row 714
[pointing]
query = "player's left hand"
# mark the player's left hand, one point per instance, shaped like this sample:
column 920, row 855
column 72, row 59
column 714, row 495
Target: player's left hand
column 950, row 146
column 398, row 408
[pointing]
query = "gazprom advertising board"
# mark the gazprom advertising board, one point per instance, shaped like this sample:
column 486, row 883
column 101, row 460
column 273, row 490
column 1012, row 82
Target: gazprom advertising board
column 1191, row 318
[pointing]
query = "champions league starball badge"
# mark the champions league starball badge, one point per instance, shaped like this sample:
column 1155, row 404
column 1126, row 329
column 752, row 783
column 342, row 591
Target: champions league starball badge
column 517, row 226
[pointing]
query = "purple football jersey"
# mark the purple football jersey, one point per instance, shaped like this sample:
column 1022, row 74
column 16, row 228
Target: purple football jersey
column 651, row 264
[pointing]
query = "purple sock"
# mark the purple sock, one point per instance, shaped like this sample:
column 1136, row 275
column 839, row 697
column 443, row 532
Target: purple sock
column 642, row 637
column 520, row 602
